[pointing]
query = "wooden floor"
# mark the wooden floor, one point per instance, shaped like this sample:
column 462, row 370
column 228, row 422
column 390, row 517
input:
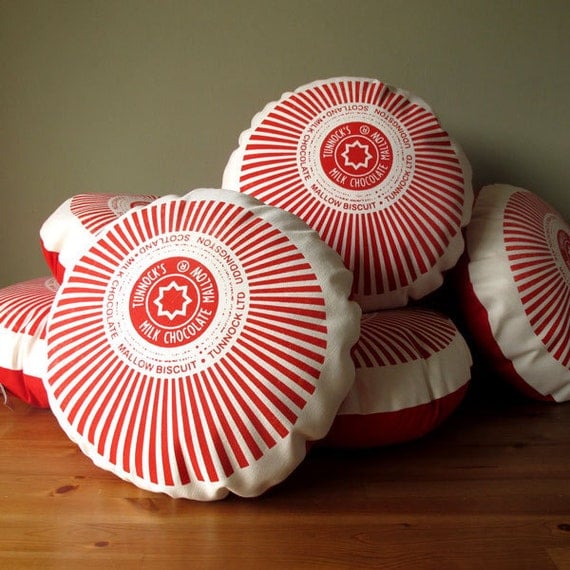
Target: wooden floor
column 488, row 489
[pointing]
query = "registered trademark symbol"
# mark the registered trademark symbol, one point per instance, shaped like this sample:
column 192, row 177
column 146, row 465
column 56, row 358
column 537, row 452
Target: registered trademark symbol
column 183, row 266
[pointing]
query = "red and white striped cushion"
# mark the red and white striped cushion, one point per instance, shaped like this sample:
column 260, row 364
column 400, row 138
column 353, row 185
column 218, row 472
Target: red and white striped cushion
column 200, row 343
column 24, row 310
column 371, row 169
column 412, row 371
column 515, row 288
column 72, row 227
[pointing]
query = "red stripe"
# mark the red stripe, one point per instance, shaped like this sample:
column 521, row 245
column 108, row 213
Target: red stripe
column 209, row 429
column 235, row 414
column 120, row 380
column 128, row 435
column 261, row 381
column 230, row 380
column 200, row 434
column 188, row 413
column 176, row 437
column 255, row 346
column 226, row 437
column 267, row 306
column 292, row 336
column 272, row 318
column 139, row 433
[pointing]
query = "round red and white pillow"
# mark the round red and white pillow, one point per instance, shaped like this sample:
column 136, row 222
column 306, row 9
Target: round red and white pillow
column 515, row 289
column 24, row 310
column 413, row 369
column 200, row 343
column 72, row 227
column 371, row 169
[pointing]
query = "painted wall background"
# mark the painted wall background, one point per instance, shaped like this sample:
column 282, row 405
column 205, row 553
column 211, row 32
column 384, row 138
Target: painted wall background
column 150, row 96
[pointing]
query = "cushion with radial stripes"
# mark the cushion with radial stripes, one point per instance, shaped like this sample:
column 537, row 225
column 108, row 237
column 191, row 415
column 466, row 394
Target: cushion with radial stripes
column 371, row 169
column 413, row 368
column 24, row 310
column 200, row 343
column 515, row 289
column 71, row 228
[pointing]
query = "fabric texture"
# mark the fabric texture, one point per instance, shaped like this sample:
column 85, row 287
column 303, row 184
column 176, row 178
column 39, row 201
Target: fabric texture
column 200, row 343
column 413, row 369
column 371, row 169
column 24, row 310
column 514, row 283
column 72, row 227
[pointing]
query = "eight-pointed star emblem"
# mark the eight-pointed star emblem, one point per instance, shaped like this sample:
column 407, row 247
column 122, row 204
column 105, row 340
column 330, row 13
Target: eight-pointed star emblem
column 356, row 155
column 172, row 300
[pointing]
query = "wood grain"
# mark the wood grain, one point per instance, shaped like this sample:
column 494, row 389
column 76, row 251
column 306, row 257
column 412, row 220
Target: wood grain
column 488, row 489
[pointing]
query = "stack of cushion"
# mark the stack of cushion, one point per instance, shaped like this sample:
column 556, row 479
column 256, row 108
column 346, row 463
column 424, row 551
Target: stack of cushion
column 371, row 169
column 198, row 345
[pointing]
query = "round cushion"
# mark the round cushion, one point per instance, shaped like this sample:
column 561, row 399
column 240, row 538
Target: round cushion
column 71, row 228
column 412, row 371
column 24, row 310
column 371, row 169
column 515, row 290
column 200, row 343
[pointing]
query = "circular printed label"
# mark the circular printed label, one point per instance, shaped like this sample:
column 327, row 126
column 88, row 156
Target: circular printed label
column 122, row 203
column 356, row 156
column 51, row 284
column 558, row 240
column 171, row 314
column 174, row 301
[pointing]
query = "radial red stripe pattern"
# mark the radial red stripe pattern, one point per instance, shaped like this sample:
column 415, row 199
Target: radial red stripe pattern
column 399, row 228
column 95, row 211
column 24, row 306
column 536, row 240
column 395, row 337
column 216, row 411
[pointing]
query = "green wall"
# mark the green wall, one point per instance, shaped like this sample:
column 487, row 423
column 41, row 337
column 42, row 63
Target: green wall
column 150, row 96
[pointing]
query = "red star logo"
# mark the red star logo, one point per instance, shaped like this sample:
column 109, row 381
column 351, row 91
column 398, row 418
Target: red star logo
column 356, row 155
column 172, row 300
